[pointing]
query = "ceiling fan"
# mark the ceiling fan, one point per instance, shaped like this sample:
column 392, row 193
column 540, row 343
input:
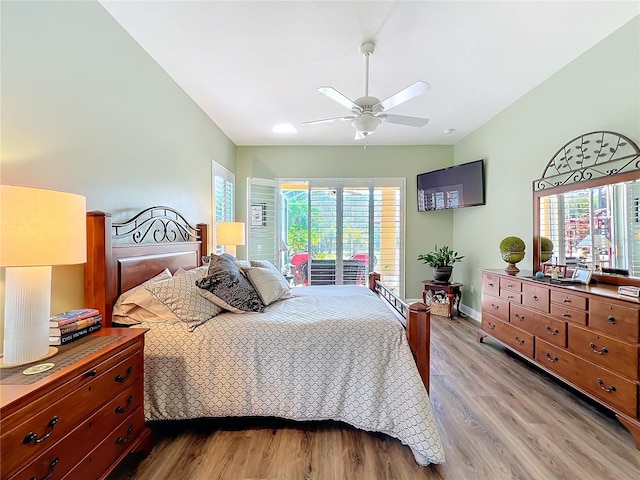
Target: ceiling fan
column 368, row 113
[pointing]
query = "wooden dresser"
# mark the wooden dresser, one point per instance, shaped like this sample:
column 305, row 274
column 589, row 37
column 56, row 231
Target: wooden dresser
column 79, row 419
column 587, row 336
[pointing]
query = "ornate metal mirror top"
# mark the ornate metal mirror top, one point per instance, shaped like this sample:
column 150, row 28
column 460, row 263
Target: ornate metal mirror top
column 587, row 204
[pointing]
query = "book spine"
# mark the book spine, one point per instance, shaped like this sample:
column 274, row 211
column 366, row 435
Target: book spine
column 56, row 332
column 70, row 337
column 62, row 318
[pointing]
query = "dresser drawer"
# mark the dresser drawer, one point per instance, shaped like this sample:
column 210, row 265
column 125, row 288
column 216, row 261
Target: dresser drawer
column 101, row 458
column 52, row 422
column 612, row 389
column 509, row 335
column 535, row 296
column 511, row 296
column 569, row 314
column 491, row 284
column 605, row 351
column 510, row 284
column 567, row 299
column 497, row 307
column 539, row 324
column 64, row 455
column 614, row 320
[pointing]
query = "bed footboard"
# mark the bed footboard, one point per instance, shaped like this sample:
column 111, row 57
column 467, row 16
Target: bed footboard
column 417, row 321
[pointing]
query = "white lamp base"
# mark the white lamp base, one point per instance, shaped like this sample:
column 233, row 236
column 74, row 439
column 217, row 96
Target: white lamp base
column 26, row 314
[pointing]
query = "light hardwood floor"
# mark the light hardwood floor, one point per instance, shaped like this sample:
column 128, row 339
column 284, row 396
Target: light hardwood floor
column 498, row 417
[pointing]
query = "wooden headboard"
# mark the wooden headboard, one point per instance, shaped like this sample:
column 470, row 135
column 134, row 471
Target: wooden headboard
column 123, row 255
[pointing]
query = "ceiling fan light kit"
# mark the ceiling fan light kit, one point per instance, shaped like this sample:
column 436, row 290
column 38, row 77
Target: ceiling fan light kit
column 368, row 112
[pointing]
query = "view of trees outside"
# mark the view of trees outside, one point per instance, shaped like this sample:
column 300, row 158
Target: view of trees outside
column 313, row 223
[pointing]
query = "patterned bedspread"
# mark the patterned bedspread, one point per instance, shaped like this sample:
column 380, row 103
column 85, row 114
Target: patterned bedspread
column 328, row 353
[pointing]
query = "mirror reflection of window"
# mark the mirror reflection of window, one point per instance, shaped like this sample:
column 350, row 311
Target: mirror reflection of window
column 594, row 227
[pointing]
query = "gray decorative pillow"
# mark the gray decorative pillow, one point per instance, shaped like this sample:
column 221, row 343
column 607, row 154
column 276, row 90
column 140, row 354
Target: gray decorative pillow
column 269, row 283
column 180, row 295
column 228, row 288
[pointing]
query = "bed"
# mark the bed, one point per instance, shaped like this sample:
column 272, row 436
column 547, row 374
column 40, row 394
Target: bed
column 318, row 353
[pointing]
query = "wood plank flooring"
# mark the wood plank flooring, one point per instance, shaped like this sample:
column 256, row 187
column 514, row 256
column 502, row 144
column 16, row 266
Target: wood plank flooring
column 498, row 417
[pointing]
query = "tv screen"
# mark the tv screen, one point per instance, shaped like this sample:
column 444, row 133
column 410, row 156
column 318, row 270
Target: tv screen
column 452, row 187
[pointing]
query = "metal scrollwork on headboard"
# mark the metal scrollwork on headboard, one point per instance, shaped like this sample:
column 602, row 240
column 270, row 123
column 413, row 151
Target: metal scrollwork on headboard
column 589, row 156
column 156, row 225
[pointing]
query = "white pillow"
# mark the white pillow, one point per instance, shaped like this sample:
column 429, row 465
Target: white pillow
column 269, row 283
column 126, row 310
column 180, row 295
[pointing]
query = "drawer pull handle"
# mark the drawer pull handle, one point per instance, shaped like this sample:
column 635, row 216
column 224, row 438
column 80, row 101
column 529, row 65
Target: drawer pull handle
column 550, row 358
column 566, row 300
column 121, row 440
column 491, row 284
column 52, row 465
column 602, row 351
column 510, row 285
column 611, row 320
column 555, row 331
column 120, row 409
column 519, row 317
column 91, row 373
column 121, row 379
column 509, row 296
column 494, row 306
column 518, row 341
column 490, row 325
column 534, row 298
column 566, row 314
column 34, row 437
column 612, row 388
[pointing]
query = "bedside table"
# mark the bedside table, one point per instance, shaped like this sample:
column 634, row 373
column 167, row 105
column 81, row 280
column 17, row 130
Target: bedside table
column 79, row 419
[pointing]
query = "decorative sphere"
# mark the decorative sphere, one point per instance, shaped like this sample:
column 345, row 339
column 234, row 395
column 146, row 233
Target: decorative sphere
column 546, row 249
column 512, row 244
column 539, row 275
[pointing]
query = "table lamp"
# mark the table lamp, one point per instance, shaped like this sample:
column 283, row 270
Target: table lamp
column 230, row 234
column 38, row 228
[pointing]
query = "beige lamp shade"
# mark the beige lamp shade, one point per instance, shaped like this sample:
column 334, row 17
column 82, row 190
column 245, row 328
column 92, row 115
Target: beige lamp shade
column 230, row 233
column 41, row 227
column 38, row 229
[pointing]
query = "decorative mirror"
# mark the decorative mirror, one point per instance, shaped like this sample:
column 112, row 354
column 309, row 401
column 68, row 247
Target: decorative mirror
column 587, row 208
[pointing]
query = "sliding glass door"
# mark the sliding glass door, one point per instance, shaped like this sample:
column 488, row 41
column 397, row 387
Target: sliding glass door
column 337, row 231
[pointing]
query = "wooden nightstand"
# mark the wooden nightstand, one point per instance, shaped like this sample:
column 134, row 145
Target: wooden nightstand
column 79, row 419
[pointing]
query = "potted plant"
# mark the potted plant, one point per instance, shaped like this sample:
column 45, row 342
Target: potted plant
column 441, row 261
column 546, row 249
column 512, row 252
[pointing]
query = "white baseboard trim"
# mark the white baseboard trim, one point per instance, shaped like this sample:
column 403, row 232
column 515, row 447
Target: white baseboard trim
column 471, row 313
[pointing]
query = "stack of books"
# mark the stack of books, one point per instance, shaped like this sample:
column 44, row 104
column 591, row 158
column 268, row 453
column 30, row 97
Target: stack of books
column 68, row 326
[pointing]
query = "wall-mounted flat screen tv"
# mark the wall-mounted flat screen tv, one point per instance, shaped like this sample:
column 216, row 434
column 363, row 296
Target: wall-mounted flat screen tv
column 452, row 187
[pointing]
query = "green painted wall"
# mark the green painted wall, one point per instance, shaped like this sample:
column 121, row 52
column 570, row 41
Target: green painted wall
column 86, row 110
column 600, row 90
column 423, row 230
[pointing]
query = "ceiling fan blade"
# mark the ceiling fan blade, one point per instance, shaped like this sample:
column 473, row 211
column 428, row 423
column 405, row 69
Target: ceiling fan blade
column 404, row 120
column 336, row 96
column 328, row 120
column 405, row 95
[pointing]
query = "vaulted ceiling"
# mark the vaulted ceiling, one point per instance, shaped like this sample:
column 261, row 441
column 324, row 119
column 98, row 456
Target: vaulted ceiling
column 251, row 65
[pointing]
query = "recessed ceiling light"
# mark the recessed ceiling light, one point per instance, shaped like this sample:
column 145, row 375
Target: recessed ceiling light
column 284, row 128
column 448, row 131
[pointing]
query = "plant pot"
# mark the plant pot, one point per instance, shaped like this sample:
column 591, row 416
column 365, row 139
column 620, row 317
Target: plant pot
column 441, row 274
column 545, row 256
column 512, row 258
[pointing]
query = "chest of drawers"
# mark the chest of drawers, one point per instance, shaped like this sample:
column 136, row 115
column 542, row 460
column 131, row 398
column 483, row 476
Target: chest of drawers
column 81, row 418
column 587, row 336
